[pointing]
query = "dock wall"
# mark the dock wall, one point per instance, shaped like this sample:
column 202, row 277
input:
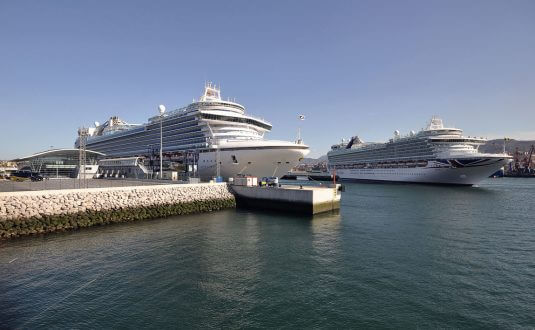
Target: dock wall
column 290, row 199
column 34, row 212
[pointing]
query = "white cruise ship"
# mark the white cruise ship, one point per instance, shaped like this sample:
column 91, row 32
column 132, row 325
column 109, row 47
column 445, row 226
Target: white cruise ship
column 212, row 128
column 437, row 155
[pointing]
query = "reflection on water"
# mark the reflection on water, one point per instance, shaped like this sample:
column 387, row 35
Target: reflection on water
column 393, row 256
column 326, row 238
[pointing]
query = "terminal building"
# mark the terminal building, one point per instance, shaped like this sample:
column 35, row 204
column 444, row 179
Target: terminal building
column 65, row 163
column 60, row 163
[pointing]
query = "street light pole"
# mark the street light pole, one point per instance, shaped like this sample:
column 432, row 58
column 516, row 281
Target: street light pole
column 161, row 108
column 299, row 141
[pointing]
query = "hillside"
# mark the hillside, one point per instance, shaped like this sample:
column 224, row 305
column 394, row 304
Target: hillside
column 496, row 146
column 313, row 161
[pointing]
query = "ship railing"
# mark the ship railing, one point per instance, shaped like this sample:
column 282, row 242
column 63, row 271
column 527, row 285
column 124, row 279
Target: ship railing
column 260, row 119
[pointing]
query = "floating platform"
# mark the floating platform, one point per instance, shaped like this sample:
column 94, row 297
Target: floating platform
column 289, row 198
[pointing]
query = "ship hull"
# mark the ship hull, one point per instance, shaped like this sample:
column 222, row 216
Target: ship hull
column 464, row 176
column 259, row 162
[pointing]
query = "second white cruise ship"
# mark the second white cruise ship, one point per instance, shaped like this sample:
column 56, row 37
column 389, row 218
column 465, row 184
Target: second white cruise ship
column 437, row 155
column 215, row 130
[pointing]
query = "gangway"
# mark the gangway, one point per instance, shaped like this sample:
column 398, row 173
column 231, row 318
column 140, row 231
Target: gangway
column 127, row 167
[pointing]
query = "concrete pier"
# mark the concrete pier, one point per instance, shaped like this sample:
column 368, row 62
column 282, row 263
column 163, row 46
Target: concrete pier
column 37, row 212
column 289, row 198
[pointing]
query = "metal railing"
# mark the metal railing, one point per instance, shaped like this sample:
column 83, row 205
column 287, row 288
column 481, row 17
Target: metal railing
column 67, row 183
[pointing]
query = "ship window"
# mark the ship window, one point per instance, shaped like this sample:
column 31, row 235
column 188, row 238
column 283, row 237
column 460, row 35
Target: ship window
column 236, row 119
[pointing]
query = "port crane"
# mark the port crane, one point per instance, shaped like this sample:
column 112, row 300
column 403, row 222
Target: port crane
column 528, row 161
column 522, row 162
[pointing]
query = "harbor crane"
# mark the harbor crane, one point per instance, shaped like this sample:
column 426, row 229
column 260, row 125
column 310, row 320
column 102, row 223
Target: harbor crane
column 523, row 163
column 528, row 161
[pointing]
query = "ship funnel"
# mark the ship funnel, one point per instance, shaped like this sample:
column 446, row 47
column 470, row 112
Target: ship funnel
column 355, row 140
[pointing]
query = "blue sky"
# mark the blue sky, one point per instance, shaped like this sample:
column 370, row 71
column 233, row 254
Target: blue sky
column 352, row 67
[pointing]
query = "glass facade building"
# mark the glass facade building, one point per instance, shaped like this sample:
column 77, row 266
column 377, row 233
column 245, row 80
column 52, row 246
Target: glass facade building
column 58, row 163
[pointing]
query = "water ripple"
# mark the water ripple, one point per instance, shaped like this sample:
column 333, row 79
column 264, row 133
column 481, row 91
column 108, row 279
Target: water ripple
column 395, row 256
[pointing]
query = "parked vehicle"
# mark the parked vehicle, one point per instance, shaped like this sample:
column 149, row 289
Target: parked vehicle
column 22, row 174
column 270, row 181
column 28, row 175
column 36, row 177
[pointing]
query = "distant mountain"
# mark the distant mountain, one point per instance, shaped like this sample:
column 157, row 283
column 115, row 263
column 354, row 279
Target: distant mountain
column 313, row 161
column 496, row 146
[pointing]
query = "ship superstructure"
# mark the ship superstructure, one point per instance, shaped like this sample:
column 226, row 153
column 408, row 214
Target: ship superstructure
column 436, row 154
column 218, row 131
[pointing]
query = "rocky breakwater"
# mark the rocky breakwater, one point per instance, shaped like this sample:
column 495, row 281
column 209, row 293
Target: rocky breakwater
column 36, row 212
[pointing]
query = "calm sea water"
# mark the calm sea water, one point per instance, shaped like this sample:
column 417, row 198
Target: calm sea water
column 395, row 256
